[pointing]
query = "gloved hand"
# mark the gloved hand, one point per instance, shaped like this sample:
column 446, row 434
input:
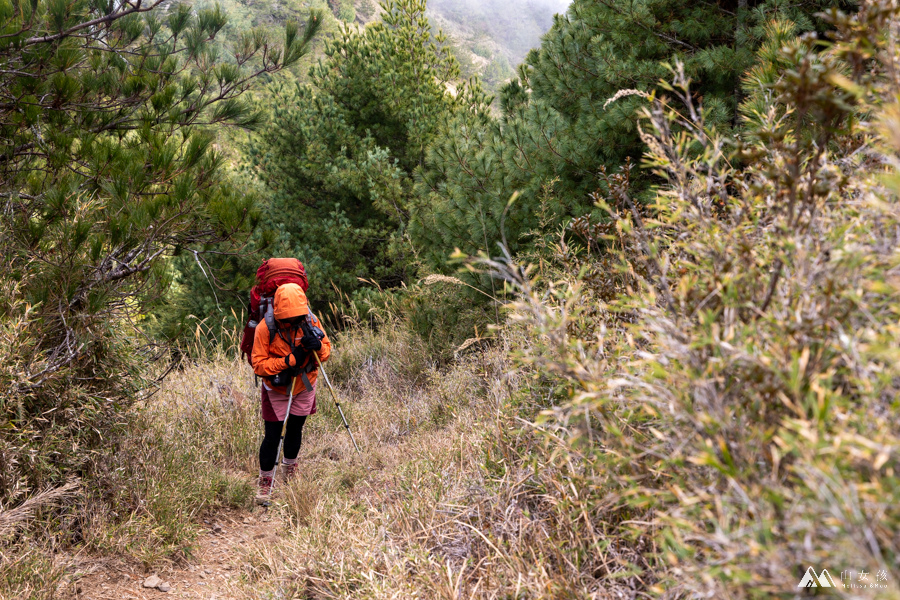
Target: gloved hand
column 300, row 355
column 311, row 342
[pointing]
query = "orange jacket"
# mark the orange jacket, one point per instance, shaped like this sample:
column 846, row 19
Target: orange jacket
column 268, row 359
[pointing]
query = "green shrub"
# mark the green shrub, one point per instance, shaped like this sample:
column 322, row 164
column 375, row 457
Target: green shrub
column 347, row 11
column 449, row 316
column 731, row 411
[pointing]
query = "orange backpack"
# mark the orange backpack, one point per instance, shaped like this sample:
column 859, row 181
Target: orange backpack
column 273, row 273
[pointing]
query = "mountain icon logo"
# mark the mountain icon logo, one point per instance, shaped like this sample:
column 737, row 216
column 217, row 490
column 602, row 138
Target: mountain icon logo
column 810, row 580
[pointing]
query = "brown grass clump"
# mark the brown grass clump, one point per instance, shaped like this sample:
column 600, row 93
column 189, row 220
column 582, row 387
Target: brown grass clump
column 28, row 572
column 176, row 456
column 14, row 518
column 188, row 451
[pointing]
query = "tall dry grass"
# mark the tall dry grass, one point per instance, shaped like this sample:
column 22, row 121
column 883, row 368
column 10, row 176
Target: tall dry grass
column 731, row 410
column 180, row 452
column 451, row 497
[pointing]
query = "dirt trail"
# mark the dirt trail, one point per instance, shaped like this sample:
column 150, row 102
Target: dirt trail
column 214, row 573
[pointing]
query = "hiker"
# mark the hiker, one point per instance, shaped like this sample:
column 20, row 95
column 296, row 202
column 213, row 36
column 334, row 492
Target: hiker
column 276, row 357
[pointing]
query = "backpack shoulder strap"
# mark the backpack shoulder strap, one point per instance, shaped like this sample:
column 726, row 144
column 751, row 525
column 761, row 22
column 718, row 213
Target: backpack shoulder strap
column 270, row 318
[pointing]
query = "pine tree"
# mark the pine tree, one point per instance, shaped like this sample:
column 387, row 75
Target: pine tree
column 107, row 167
column 558, row 123
column 338, row 157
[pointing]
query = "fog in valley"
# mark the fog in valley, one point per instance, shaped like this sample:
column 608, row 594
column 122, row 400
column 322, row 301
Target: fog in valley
column 516, row 25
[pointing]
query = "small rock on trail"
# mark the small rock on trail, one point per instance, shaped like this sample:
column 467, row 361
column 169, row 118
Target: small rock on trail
column 152, row 581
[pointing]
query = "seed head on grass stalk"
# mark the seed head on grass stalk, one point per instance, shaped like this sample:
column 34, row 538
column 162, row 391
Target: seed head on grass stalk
column 436, row 278
column 14, row 518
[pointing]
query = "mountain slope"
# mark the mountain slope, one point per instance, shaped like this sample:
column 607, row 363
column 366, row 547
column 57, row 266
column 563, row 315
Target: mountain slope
column 491, row 37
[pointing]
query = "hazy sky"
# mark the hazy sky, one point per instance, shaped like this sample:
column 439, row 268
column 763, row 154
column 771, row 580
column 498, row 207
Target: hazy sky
column 555, row 5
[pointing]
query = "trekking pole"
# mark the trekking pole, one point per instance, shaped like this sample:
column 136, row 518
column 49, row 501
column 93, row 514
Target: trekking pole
column 283, row 432
column 336, row 401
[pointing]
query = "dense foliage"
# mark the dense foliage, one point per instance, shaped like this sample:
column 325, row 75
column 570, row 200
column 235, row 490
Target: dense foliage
column 558, row 128
column 732, row 410
column 373, row 170
column 106, row 167
column 339, row 155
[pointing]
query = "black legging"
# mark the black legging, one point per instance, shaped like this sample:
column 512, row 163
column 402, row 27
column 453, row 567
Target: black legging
column 268, row 450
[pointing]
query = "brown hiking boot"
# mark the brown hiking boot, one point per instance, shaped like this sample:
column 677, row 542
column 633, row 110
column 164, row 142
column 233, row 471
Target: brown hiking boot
column 291, row 472
column 264, row 491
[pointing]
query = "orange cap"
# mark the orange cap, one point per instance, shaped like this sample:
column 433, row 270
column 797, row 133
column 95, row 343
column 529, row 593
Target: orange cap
column 290, row 301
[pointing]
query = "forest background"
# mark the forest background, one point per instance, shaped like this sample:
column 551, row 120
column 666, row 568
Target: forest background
column 647, row 280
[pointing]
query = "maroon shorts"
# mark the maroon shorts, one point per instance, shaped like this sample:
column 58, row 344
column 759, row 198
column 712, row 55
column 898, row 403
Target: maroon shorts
column 274, row 404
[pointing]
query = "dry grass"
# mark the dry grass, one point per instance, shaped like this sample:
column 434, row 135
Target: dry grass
column 188, row 452
column 418, row 511
column 27, row 569
column 15, row 518
column 444, row 502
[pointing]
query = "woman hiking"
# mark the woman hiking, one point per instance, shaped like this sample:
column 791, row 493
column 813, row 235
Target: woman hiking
column 289, row 353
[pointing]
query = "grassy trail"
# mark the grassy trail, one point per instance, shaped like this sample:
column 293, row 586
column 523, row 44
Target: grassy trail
column 449, row 499
column 399, row 521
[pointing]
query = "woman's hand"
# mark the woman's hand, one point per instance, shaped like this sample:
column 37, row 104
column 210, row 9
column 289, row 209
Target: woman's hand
column 311, row 342
column 300, row 354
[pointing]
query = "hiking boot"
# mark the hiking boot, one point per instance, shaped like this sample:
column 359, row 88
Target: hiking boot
column 264, row 491
column 291, row 472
